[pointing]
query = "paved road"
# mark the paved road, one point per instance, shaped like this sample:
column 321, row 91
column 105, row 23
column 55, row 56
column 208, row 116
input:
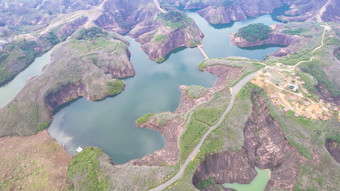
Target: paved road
column 179, row 174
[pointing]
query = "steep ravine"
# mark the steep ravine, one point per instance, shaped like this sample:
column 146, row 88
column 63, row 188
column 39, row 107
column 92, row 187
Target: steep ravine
column 265, row 146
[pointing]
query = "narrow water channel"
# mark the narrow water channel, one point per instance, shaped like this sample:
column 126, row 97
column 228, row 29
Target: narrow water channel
column 10, row 90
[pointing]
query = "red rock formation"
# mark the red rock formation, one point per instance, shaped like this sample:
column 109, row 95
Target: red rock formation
column 64, row 95
column 265, row 146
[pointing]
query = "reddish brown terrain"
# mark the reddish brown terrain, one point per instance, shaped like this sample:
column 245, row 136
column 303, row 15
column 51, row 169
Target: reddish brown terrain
column 265, row 146
column 33, row 163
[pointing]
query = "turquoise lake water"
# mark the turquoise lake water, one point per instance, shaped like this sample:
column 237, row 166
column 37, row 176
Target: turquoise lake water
column 109, row 124
column 258, row 184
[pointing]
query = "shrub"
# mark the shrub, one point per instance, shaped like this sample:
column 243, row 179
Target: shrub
column 160, row 38
column 160, row 60
column 91, row 33
column 202, row 66
column 174, row 19
column 85, row 168
column 115, row 87
column 254, row 32
column 144, row 118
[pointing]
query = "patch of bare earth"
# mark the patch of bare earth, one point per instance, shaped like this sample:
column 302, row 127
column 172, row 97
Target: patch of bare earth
column 33, row 163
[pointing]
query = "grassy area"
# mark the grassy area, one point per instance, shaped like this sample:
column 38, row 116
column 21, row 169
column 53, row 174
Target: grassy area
column 174, row 19
column 160, row 60
column 15, row 57
column 191, row 137
column 91, row 33
column 228, row 135
column 85, row 166
column 115, row 87
column 144, row 118
column 254, row 32
column 160, row 38
column 163, row 118
column 195, row 91
column 208, row 116
column 33, row 163
column 296, row 31
column 202, row 66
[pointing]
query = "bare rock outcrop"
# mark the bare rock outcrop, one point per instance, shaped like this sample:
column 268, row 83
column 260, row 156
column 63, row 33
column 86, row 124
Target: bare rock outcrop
column 139, row 19
column 226, row 167
column 265, row 146
column 64, row 94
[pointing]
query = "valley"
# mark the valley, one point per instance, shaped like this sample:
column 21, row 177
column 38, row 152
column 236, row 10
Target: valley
column 170, row 95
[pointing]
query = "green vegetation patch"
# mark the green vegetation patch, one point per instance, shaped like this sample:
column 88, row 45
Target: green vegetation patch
column 52, row 38
column 144, row 118
column 208, row 116
column 160, row 60
column 115, row 87
column 160, row 38
column 163, row 118
column 296, row 31
column 205, row 183
column 174, row 19
column 190, row 138
column 333, row 136
column 91, row 33
column 195, row 92
column 202, row 66
column 337, row 53
column 254, row 32
column 85, row 168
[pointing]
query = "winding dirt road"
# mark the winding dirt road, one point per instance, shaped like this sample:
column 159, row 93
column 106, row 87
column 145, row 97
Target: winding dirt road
column 158, row 6
column 234, row 91
column 326, row 27
column 321, row 12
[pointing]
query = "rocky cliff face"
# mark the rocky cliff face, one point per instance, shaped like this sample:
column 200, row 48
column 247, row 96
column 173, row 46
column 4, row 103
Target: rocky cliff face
column 221, row 12
column 276, row 37
column 138, row 19
column 175, row 38
column 238, row 10
column 333, row 148
column 64, row 94
column 324, row 93
column 69, row 28
column 265, row 146
column 226, row 167
column 76, row 69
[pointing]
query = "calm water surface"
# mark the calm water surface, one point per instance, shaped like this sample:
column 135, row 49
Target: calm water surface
column 109, row 124
column 258, row 184
column 8, row 92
